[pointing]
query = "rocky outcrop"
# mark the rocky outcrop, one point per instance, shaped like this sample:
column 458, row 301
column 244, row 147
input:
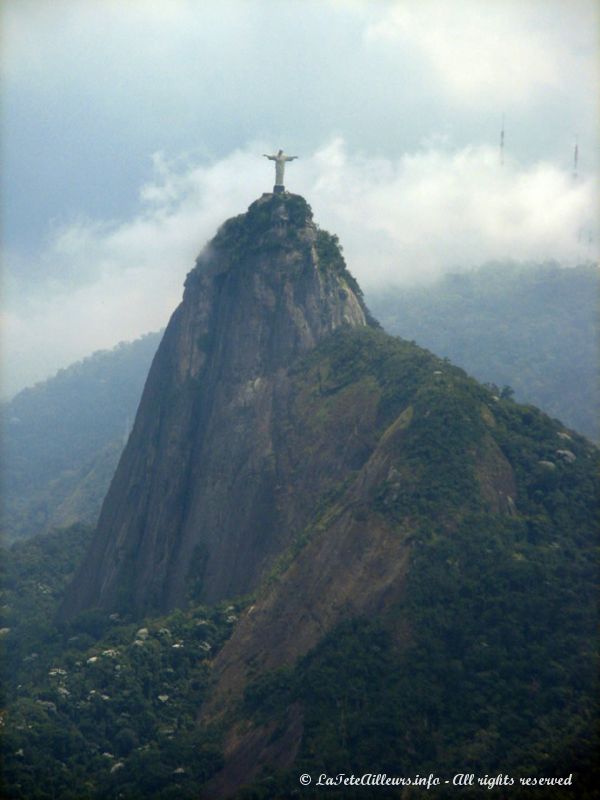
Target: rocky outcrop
column 201, row 501
column 418, row 455
column 391, row 529
column 444, row 501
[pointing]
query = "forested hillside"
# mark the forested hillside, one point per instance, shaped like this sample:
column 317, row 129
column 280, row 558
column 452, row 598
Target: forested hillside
column 62, row 438
column 479, row 653
column 87, row 700
column 533, row 328
column 325, row 549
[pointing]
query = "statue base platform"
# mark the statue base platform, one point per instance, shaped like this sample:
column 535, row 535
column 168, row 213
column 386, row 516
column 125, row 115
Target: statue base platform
column 278, row 189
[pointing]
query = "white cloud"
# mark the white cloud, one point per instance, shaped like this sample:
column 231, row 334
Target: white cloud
column 433, row 210
column 495, row 54
column 399, row 220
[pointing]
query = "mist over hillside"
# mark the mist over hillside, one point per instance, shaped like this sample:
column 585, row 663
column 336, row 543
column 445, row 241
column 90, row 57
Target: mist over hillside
column 425, row 596
column 532, row 328
column 62, row 438
column 323, row 549
column 330, row 532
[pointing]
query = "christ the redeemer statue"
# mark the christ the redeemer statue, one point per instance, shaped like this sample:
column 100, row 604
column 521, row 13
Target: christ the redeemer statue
column 279, row 160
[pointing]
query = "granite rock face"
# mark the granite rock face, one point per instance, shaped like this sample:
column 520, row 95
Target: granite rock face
column 390, row 527
column 201, row 500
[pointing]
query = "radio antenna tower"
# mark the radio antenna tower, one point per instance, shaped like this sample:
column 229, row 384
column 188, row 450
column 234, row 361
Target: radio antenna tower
column 575, row 161
column 502, row 143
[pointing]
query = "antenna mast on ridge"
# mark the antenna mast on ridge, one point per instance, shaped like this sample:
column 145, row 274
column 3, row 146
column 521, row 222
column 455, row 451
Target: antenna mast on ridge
column 502, row 143
column 575, row 160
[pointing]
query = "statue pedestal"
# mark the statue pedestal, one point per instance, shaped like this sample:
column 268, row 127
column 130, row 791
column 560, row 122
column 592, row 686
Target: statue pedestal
column 278, row 189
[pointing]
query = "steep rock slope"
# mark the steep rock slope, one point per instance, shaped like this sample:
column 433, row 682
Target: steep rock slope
column 425, row 615
column 200, row 502
column 418, row 554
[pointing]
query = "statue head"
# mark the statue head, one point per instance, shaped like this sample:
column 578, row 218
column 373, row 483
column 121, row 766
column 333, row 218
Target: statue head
column 280, row 152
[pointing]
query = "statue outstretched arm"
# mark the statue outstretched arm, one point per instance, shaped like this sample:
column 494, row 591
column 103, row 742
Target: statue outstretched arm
column 271, row 158
column 291, row 158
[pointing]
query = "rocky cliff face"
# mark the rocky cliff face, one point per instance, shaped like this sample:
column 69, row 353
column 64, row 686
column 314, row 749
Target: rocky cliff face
column 201, row 501
column 426, row 558
column 417, row 550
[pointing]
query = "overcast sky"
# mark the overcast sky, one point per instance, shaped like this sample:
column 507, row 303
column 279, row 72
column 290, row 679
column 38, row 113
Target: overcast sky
column 131, row 129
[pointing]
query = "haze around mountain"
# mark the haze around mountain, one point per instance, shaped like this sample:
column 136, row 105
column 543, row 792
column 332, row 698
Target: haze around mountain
column 324, row 550
column 123, row 151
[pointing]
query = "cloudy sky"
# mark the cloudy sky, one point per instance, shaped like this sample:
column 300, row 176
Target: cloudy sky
column 132, row 128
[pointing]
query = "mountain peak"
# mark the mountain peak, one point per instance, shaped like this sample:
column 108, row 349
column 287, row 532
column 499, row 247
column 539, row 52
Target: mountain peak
column 194, row 501
column 284, row 219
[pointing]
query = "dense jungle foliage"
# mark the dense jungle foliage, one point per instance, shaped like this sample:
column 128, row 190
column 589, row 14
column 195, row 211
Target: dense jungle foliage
column 490, row 663
column 487, row 665
column 106, row 706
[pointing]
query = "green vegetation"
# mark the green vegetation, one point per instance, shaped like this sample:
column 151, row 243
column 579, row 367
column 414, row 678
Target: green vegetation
column 62, row 438
column 105, row 706
column 329, row 251
column 532, row 328
column 257, row 230
column 487, row 663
